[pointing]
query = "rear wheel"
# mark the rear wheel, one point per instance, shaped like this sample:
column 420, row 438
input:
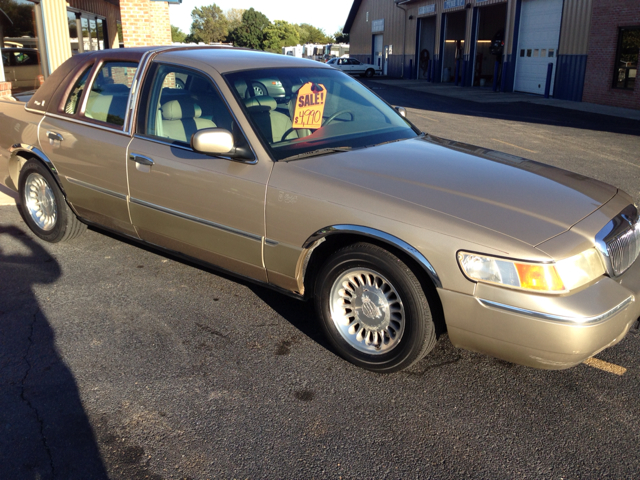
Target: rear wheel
column 43, row 207
column 373, row 309
column 369, row 73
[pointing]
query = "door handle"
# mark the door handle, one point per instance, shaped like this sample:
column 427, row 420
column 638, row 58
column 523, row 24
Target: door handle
column 54, row 136
column 141, row 159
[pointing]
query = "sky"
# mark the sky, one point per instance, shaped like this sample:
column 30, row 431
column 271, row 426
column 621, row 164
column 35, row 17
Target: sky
column 329, row 15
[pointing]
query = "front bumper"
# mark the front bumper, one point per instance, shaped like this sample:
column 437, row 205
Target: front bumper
column 550, row 332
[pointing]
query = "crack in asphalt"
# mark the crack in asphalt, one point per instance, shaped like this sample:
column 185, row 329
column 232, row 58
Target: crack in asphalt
column 28, row 402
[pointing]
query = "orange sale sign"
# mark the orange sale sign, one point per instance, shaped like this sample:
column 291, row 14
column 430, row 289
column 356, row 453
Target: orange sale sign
column 310, row 106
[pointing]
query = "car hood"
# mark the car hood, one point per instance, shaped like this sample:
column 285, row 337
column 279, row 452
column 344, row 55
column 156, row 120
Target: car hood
column 523, row 199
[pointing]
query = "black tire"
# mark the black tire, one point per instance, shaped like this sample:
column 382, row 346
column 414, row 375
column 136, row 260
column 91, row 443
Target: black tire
column 369, row 73
column 392, row 287
column 259, row 90
column 62, row 224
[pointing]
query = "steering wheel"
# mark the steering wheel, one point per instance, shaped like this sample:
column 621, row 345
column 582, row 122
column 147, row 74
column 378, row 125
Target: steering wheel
column 336, row 115
column 287, row 133
column 327, row 122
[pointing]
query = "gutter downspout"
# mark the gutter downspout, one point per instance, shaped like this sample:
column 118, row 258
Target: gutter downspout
column 404, row 33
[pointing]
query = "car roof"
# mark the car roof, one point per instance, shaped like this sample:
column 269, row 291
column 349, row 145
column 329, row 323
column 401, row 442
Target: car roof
column 230, row 59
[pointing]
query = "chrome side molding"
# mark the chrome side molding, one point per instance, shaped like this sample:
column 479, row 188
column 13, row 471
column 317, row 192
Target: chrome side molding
column 202, row 221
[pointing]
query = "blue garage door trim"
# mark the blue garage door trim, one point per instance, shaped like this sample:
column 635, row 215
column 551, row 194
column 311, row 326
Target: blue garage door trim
column 570, row 71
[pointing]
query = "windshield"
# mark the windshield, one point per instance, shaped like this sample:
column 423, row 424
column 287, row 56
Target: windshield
column 300, row 110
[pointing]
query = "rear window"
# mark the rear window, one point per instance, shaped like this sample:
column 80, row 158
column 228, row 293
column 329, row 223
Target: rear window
column 73, row 100
column 109, row 94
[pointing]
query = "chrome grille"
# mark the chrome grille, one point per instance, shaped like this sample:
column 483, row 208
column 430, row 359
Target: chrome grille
column 619, row 241
column 624, row 249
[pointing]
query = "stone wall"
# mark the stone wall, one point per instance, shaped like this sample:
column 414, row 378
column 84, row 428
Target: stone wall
column 145, row 22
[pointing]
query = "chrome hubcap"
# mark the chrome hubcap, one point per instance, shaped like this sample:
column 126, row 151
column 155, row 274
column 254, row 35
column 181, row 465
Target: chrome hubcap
column 367, row 311
column 40, row 201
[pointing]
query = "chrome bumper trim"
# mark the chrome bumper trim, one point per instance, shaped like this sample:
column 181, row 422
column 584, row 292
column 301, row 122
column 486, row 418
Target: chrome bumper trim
column 603, row 317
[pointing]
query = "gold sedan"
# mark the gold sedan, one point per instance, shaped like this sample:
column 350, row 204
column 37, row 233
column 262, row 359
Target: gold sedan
column 328, row 193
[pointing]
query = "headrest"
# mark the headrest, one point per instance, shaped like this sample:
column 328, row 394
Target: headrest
column 261, row 102
column 180, row 108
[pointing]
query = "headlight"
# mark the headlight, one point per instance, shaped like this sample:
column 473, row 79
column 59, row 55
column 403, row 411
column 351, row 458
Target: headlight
column 559, row 277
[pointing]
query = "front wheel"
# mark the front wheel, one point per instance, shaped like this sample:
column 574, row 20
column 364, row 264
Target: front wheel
column 373, row 309
column 43, row 206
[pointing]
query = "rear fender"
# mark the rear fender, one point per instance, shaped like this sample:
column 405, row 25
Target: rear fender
column 20, row 153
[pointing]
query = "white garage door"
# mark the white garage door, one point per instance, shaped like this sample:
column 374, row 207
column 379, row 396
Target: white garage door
column 537, row 44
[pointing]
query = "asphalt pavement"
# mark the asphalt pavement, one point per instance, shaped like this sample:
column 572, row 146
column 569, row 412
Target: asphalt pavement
column 120, row 362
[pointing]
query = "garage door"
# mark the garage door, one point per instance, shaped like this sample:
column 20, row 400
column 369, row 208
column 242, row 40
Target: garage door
column 537, row 44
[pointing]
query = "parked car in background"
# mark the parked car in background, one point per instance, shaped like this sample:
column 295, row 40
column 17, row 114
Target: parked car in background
column 333, row 196
column 21, row 68
column 353, row 66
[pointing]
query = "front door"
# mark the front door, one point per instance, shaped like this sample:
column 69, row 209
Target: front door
column 210, row 208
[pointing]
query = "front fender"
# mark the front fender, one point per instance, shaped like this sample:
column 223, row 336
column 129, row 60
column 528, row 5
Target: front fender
column 315, row 240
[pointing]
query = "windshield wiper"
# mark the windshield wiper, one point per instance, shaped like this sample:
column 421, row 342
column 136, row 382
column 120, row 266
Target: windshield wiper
column 422, row 135
column 315, row 153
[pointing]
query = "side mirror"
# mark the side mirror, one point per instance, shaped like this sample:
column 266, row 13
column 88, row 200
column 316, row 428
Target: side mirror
column 402, row 111
column 215, row 141
column 218, row 141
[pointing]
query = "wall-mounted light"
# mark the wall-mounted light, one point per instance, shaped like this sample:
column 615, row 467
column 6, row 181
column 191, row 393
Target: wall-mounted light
column 410, row 17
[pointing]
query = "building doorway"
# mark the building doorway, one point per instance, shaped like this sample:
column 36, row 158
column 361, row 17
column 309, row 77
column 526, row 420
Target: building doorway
column 455, row 29
column 378, row 59
column 489, row 47
column 539, row 37
column 426, row 45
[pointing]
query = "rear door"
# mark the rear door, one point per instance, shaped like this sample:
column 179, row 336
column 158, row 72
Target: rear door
column 210, row 208
column 85, row 138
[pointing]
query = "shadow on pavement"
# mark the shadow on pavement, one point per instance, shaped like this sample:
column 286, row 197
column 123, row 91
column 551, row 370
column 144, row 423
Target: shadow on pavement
column 298, row 313
column 45, row 432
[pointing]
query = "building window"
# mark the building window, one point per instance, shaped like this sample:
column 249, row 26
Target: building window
column 627, row 58
column 21, row 58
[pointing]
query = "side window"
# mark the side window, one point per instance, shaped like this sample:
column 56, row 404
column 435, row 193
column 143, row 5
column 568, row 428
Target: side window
column 73, row 100
column 109, row 93
column 179, row 102
column 25, row 58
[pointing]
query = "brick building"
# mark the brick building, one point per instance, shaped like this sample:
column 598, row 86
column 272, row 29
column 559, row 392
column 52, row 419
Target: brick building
column 39, row 35
column 570, row 49
column 612, row 61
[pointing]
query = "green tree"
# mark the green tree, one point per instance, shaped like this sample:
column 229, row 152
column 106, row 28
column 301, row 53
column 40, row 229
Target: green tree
column 340, row 36
column 209, row 24
column 177, row 35
column 310, row 34
column 250, row 33
column 280, row 34
column 234, row 17
column 17, row 19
